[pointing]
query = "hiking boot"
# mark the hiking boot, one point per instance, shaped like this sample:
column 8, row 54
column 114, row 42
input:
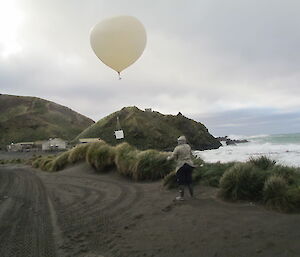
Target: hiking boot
column 179, row 198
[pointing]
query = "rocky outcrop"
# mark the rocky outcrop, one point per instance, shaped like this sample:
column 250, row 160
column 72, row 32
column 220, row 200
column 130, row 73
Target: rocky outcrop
column 229, row 141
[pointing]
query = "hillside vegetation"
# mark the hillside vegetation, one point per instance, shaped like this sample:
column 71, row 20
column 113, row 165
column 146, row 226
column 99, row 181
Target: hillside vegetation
column 151, row 130
column 25, row 118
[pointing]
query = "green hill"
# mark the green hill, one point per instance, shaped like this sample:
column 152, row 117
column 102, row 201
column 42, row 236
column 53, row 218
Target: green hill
column 25, row 118
column 151, row 130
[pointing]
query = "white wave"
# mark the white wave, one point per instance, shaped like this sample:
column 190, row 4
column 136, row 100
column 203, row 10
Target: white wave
column 286, row 154
column 241, row 137
column 259, row 136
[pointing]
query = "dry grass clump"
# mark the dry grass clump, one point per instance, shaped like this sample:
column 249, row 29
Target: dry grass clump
column 141, row 165
column 262, row 162
column 46, row 163
column 130, row 162
column 60, row 161
column 243, row 181
column 78, row 153
column 210, row 173
column 277, row 195
column 125, row 159
column 276, row 186
column 290, row 174
column 36, row 162
column 152, row 165
column 101, row 156
column 274, row 193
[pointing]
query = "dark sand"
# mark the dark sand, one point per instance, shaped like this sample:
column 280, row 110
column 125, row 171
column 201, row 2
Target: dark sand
column 79, row 213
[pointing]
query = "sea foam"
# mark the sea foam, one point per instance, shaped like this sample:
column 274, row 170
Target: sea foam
column 276, row 147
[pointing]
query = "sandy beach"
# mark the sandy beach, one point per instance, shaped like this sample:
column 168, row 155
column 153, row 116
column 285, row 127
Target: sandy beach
column 79, row 213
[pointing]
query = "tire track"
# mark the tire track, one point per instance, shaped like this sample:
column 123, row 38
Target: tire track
column 89, row 217
column 27, row 226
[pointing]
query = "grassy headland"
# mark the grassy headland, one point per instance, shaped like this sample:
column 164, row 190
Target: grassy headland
column 151, row 130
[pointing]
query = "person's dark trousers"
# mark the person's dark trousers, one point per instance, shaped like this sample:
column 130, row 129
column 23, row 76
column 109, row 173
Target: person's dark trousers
column 184, row 177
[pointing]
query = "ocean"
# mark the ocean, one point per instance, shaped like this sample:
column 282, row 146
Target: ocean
column 283, row 148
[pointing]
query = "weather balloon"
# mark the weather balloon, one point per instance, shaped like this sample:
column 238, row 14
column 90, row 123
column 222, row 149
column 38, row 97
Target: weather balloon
column 118, row 41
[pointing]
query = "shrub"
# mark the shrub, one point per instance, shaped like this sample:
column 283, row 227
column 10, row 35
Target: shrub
column 152, row 165
column 293, row 195
column 91, row 153
column 48, row 165
column 100, row 156
column 262, row 162
column 46, row 162
column 36, row 162
column 274, row 193
column 60, row 161
column 210, row 173
column 290, row 174
column 243, row 181
column 125, row 159
column 78, row 153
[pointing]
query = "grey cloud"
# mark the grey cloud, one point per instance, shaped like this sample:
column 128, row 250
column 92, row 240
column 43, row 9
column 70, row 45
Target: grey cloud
column 251, row 121
column 202, row 56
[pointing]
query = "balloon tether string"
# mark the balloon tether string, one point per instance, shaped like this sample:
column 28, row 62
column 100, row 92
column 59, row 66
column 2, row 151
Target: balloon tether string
column 119, row 76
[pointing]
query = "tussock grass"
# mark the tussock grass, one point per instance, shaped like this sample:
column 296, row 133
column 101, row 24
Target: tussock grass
column 243, row 181
column 125, row 159
column 101, row 156
column 290, row 174
column 60, row 162
column 46, row 163
column 141, row 165
column 274, row 193
column 278, row 195
column 36, row 162
column 130, row 162
column 152, row 165
column 262, row 162
column 276, row 186
column 210, row 173
column 78, row 153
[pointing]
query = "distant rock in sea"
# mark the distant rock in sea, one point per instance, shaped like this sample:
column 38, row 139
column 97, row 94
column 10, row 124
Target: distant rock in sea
column 229, row 141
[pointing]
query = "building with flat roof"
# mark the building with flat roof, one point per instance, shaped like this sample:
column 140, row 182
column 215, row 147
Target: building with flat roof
column 89, row 140
column 54, row 144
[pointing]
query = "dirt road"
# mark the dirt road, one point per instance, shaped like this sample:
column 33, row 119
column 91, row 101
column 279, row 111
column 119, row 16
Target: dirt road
column 82, row 214
column 25, row 224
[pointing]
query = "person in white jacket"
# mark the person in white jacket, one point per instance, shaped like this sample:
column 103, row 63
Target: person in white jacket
column 182, row 154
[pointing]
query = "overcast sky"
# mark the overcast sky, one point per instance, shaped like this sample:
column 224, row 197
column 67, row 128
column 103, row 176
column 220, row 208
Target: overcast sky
column 233, row 65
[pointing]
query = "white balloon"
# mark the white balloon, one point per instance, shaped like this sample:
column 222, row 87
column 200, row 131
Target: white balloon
column 118, row 41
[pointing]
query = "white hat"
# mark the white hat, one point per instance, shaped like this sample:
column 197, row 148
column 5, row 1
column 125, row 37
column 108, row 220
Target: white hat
column 181, row 139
